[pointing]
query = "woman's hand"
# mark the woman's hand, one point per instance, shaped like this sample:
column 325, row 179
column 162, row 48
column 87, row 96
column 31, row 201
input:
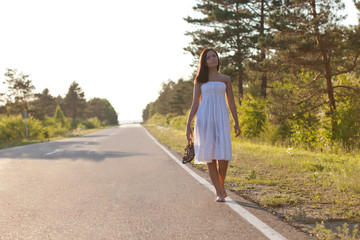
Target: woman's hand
column 237, row 130
column 189, row 133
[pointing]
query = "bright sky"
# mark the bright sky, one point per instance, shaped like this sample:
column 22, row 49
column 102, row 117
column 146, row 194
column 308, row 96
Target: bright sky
column 118, row 50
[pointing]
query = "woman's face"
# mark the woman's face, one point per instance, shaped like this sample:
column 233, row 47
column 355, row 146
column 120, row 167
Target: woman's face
column 211, row 59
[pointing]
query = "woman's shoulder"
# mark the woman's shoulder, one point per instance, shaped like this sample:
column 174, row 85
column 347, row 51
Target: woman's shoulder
column 225, row 78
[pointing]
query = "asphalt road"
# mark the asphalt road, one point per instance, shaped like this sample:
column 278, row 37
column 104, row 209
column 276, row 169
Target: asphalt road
column 116, row 183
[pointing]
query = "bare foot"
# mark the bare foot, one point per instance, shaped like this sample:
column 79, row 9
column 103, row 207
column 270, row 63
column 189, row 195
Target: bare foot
column 220, row 198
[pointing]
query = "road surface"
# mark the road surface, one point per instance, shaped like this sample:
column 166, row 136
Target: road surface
column 118, row 183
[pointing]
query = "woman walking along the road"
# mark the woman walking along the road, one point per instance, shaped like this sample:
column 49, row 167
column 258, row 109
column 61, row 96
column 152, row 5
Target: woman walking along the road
column 212, row 140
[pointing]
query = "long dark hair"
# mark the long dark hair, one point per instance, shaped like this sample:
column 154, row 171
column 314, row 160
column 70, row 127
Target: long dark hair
column 202, row 75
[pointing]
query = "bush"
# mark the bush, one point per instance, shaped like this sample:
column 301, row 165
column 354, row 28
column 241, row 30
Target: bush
column 81, row 126
column 305, row 131
column 59, row 116
column 347, row 130
column 252, row 116
column 35, row 128
column 96, row 123
column 157, row 119
column 179, row 122
column 13, row 128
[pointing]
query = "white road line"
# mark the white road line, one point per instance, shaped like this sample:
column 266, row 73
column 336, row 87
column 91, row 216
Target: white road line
column 57, row 150
column 257, row 223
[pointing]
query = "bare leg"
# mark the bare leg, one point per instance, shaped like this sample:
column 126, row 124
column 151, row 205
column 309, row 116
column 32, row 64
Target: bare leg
column 223, row 166
column 214, row 176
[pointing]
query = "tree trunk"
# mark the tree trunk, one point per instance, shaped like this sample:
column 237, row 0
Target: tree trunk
column 263, row 85
column 327, row 67
column 262, row 52
column 240, row 84
column 238, row 56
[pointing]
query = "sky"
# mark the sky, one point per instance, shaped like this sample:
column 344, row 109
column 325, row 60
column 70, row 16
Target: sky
column 119, row 50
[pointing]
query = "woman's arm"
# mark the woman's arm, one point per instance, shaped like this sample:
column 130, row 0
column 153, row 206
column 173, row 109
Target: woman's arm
column 193, row 110
column 232, row 106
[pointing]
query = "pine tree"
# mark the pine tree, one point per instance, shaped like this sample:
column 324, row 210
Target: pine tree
column 161, row 104
column 181, row 97
column 226, row 26
column 43, row 105
column 259, row 59
column 74, row 102
column 96, row 108
column 309, row 38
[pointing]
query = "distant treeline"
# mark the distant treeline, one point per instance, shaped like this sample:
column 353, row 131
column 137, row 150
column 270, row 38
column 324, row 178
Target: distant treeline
column 295, row 71
column 175, row 98
column 51, row 115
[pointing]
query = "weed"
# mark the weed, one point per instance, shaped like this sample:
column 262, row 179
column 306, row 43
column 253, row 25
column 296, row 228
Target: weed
column 251, row 174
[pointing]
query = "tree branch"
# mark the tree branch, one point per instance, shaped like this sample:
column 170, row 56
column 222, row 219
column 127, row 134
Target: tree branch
column 312, row 95
column 348, row 87
column 349, row 69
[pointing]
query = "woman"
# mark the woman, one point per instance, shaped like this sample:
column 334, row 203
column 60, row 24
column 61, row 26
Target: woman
column 212, row 140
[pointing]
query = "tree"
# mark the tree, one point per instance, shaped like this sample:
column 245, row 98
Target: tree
column 181, row 98
column 148, row 111
column 258, row 61
column 226, row 26
column 96, row 108
column 43, row 105
column 111, row 114
column 74, row 102
column 308, row 38
column 161, row 104
column 102, row 109
column 20, row 90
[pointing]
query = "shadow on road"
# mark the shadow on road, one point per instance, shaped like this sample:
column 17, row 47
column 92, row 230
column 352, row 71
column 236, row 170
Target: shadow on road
column 246, row 205
column 73, row 150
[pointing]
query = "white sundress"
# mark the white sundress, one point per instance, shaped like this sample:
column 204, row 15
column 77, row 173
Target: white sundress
column 212, row 139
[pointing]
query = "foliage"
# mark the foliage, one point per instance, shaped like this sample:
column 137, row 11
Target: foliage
column 302, row 53
column 43, row 105
column 225, row 26
column 13, row 128
column 310, row 40
column 90, row 123
column 348, row 125
column 59, row 117
column 285, row 117
column 174, row 98
column 74, row 102
column 304, row 130
column 101, row 109
column 46, row 113
column 20, row 90
column 252, row 116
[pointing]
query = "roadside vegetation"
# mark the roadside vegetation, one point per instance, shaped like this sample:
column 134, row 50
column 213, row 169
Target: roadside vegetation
column 314, row 191
column 28, row 117
column 295, row 74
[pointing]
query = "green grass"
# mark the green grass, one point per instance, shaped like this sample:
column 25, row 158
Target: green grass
column 302, row 186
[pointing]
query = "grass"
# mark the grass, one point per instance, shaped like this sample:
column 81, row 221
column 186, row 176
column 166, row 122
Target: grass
column 303, row 187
